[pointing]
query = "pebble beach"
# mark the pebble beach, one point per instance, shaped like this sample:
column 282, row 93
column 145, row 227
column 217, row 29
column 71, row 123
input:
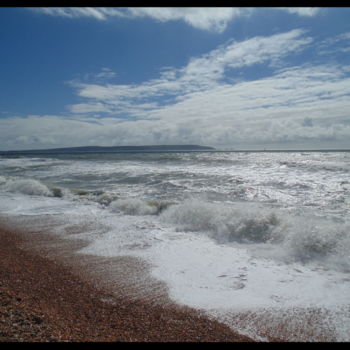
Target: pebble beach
column 42, row 300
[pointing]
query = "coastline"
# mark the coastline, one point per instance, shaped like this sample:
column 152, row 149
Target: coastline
column 45, row 300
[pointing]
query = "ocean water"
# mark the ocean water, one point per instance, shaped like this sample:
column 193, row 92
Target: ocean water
column 257, row 240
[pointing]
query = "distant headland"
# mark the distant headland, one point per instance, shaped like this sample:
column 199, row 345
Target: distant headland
column 113, row 149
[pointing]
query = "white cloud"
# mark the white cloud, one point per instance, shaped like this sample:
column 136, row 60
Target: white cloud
column 208, row 18
column 301, row 11
column 99, row 13
column 202, row 73
column 104, row 74
column 209, row 110
column 268, row 112
column 203, row 107
column 336, row 44
column 85, row 108
column 214, row 19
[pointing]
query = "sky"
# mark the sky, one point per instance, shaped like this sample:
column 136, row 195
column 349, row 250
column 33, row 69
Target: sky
column 230, row 78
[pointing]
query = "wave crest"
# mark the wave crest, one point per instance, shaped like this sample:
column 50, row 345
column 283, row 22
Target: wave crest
column 312, row 239
column 135, row 206
column 225, row 223
column 302, row 238
column 28, row 186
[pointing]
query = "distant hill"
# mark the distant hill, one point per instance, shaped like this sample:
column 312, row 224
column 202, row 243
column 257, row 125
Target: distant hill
column 113, row 149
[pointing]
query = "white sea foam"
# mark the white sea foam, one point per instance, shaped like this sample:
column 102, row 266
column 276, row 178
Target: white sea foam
column 291, row 237
column 27, row 186
column 225, row 222
column 227, row 232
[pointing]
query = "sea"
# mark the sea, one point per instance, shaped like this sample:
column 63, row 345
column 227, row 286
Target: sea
column 257, row 240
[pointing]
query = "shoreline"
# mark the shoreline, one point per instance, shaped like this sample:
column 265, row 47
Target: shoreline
column 44, row 299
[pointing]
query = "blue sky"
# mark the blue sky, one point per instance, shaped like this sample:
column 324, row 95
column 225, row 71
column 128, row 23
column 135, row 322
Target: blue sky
column 241, row 78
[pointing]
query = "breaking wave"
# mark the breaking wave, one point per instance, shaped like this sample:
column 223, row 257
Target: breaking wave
column 225, row 223
column 135, row 206
column 132, row 206
column 27, row 186
column 321, row 239
column 301, row 237
column 31, row 187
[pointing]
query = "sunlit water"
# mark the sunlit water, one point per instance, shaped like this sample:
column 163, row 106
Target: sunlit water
column 227, row 231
